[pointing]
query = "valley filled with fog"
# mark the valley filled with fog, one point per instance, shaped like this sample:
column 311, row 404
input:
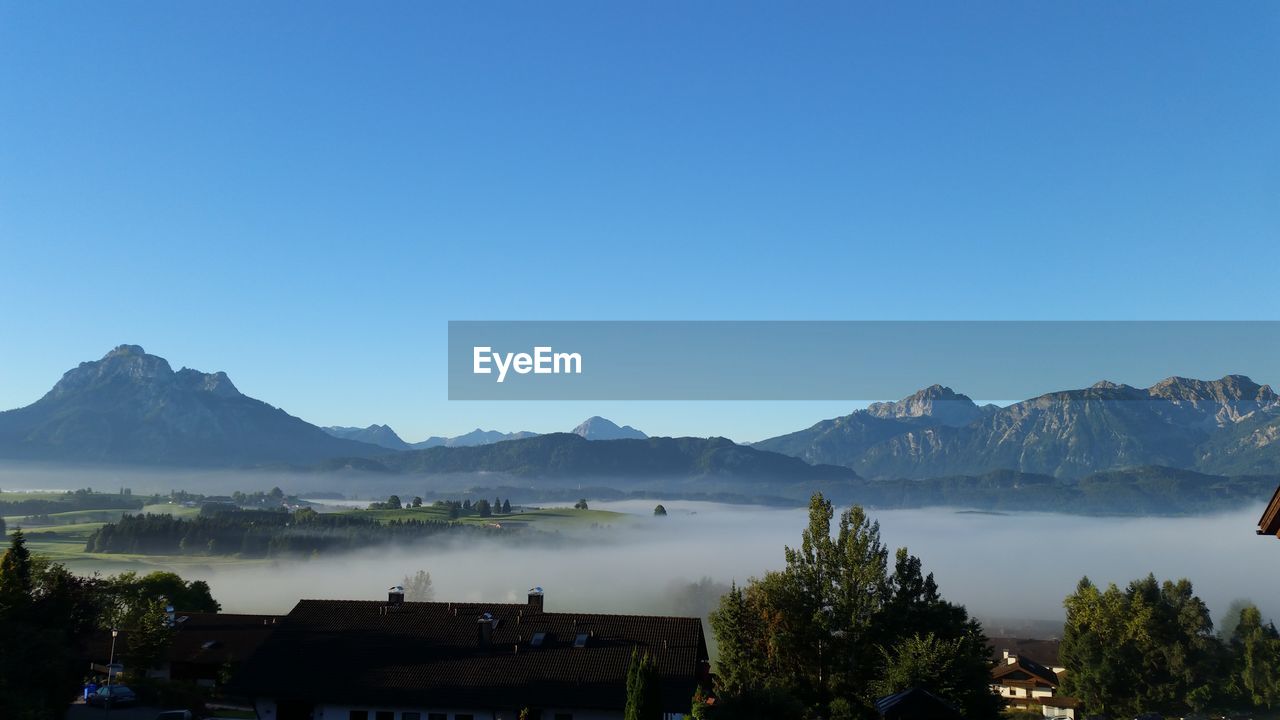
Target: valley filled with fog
column 1008, row 569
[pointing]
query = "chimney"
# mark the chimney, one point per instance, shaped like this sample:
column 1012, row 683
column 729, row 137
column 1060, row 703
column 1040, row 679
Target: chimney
column 395, row 595
column 535, row 599
column 484, row 630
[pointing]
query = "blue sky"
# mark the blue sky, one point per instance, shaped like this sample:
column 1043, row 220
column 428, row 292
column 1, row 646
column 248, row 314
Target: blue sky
column 303, row 194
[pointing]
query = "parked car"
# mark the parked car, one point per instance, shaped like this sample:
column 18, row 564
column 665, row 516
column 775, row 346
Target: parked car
column 113, row 696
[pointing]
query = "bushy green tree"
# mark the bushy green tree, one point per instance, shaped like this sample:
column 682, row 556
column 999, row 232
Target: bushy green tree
column 506, row 506
column 483, row 509
column 417, row 501
column 581, row 504
column 1150, row 646
column 659, row 511
column 150, row 637
column 393, row 502
column 835, row 627
column 1257, row 653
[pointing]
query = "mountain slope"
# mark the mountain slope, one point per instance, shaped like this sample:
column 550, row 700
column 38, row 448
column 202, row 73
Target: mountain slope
column 131, row 407
column 565, row 455
column 1178, row 423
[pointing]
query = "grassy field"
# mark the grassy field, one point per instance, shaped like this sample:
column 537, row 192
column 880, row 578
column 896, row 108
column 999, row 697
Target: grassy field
column 64, row 541
column 563, row 518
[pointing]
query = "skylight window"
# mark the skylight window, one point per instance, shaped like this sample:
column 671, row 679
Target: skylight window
column 536, row 640
column 580, row 641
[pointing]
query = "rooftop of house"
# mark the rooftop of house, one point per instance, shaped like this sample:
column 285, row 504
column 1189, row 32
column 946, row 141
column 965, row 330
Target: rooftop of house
column 490, row 655
column 916, row 703
column 1269, row 523
column 202, row 638
column 1024, row 671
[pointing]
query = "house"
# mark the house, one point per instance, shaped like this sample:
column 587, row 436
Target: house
column 204, row 648
column 1030, row 686
column 397, row 660
column 1269, row 523
column 916, row 704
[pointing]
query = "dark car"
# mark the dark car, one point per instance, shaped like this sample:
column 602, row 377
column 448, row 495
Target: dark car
column 113, row 696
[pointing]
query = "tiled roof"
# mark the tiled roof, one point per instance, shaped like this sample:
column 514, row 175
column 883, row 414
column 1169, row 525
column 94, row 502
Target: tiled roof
column 1034, row 670
column 431, row 653
column 202, row 638
column 217, row 638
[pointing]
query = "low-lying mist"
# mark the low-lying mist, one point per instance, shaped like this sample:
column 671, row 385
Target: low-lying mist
column 1005, row 568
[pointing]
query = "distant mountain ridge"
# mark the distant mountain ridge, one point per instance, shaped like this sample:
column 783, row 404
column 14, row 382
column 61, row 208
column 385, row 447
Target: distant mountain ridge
column 380, row 435
column 1210, row 426
column 593, row 428
column 131, row 407
column 567, row 455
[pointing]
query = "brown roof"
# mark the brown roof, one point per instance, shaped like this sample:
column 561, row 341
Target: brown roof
column 1269, row 523
column 400, row 654
column 217, row 638
column 200, row 638
column 1024, row 671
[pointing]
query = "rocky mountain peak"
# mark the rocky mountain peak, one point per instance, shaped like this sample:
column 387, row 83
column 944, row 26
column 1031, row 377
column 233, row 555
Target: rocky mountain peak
column 214, row 383
column 938, row 402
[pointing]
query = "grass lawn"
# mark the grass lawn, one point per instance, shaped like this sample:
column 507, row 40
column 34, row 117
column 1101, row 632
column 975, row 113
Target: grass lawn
column 540, row 518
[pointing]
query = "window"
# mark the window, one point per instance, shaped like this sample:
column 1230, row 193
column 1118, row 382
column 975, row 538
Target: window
column 581, row 640
column 358, row 715
column 536, row 640
column 384, row 715
column 410, row 716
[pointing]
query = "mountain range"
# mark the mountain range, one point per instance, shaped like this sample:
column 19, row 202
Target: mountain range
column 1177, row 445
column 1229, row 425
column 593, row 428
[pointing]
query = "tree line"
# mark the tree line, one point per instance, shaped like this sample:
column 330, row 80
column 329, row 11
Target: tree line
column 264, row 533
column 1152, row 647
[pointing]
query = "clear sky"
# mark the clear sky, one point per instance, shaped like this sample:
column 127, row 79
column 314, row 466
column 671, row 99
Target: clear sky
column 303, row 194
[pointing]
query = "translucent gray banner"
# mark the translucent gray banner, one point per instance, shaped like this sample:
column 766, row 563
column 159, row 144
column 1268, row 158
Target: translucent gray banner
column 840, row 360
